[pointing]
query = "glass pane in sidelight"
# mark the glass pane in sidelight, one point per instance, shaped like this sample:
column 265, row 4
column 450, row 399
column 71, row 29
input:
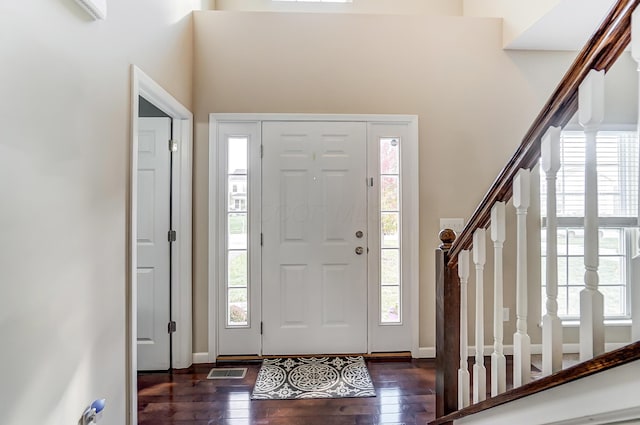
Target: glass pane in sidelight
column 390, row 267
column 390, row 155
column 237, row 268
column 237, row 193
column 390, row 230
column 237, row 231
column 389, row 193
column 390, row 304
column 237, row 155
column 237, row 307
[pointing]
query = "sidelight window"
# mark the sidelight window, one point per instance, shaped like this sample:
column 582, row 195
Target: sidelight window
column 237, row 276
column 390, row 273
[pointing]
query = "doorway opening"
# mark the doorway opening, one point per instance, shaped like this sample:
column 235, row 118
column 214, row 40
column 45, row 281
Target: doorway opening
column 313, row 234
column 174, row 123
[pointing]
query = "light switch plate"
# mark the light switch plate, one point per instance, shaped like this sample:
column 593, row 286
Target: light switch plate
column 455, row 224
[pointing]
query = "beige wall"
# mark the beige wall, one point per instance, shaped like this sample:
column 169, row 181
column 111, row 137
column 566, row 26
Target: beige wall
column 474, row 101
column 430, row 7
column 64, row 158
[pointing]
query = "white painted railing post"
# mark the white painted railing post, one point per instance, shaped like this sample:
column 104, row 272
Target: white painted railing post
column 521, row 339
column 498, row 361
column 591, row 114
column 551, row 324
column 479, row 370
column 463, row 372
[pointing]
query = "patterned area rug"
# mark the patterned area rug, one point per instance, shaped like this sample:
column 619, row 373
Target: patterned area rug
column 314, row 377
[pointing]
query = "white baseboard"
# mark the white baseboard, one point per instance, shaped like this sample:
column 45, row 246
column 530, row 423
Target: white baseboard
column 427, row 352
column 574, row 348
column 199, row 358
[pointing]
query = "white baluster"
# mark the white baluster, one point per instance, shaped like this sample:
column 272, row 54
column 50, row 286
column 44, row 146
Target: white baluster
column 479, row 370
column 521, row 340
column 591, row 114
column 463, row 372
column 551, row 324
column 498, row 362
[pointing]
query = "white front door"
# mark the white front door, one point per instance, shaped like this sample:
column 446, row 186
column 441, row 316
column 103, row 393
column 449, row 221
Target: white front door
column 314, row 225
column 153, row 253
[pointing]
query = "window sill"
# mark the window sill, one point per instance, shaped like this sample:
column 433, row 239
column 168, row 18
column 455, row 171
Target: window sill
column 607, row 323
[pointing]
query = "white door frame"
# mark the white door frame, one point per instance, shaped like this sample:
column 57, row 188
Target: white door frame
column 411, row 206
column 181, row 283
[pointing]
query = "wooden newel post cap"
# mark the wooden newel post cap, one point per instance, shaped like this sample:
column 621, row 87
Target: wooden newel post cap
column 447, row 236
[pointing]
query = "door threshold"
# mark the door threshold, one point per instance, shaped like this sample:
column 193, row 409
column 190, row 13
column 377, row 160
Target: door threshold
column 400, row 356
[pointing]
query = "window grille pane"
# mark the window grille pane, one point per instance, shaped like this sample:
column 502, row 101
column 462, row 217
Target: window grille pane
column 614, row 300
column 390, row 296
column 390, row 267
column 389, row 193
column 237, row 234
column 390, row 223
column 238, row 307
column 389, row 156
column 237, row 268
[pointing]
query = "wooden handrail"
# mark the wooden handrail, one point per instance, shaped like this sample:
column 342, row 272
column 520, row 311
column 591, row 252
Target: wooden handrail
column 601, row 52
column 619, row 357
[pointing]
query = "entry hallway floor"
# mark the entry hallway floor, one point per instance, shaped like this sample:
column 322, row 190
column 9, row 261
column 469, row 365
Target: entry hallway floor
column 405, row 395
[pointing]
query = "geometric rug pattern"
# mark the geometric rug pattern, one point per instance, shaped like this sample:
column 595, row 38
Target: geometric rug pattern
column 313, row 377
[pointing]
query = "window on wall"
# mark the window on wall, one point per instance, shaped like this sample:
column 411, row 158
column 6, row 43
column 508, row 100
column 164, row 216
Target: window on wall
column 390, row 272
column 617, row 156
column 237, row 232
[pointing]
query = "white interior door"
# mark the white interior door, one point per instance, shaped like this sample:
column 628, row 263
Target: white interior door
column 153, row 256
column 314, row 217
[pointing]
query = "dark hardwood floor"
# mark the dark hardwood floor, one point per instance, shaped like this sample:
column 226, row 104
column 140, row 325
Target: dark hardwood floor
column 405, row 395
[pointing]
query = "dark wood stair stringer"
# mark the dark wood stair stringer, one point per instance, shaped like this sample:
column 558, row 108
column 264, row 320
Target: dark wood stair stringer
column 610, row 360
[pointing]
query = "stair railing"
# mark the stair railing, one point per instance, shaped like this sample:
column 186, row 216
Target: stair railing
column 580, row 91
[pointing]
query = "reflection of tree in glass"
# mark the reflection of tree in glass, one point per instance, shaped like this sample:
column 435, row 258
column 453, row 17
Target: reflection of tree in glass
column 238, row 268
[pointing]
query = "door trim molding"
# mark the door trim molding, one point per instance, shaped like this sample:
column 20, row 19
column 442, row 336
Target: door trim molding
column 181, row 250
column 412, row 207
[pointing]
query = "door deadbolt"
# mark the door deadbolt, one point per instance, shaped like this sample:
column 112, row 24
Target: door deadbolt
column 359, row 250
column 359, row 234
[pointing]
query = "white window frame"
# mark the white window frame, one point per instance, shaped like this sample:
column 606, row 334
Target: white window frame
column 380, row 337
column 628, row 224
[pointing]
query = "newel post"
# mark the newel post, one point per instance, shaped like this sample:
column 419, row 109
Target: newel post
column 447, row 327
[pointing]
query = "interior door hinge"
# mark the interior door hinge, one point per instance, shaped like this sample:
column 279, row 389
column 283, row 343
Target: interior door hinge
column 173, row 146
column 261, row 328
column 172, row 327
column 370, row 182
column 261, row 239
column 172, row 235
column 261, row 151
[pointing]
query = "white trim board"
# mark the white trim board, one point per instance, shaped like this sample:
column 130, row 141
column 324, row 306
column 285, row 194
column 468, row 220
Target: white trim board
column 181, row 280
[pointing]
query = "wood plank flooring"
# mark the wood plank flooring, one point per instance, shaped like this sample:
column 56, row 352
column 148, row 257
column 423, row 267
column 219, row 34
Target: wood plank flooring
column 405, row 395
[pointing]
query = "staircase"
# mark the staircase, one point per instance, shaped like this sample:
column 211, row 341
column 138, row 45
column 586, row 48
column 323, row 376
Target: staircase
column 601, row 382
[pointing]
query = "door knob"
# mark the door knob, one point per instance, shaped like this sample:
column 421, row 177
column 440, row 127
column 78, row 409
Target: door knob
column 359, row 250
